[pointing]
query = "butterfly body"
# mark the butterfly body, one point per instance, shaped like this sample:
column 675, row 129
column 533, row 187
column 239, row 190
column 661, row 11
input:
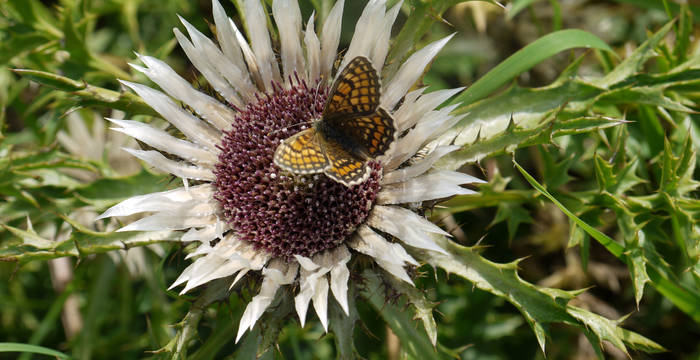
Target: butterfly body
column 329, row 132
column 351, row 130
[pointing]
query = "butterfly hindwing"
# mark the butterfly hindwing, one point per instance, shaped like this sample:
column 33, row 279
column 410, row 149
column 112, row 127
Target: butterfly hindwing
column 355, row 92
column 344, row 167
column 301, row 153
column 375, row 132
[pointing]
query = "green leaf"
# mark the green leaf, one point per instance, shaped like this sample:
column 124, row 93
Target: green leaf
column 638, row 268
column 634, row 62
column 101, row 97
column 613, row 247
column 517, row 6
column 540, row 306
column 521, row 117
column 82, row 242
column 604, row 329
column 685, row 299
column 343, row 326
column 526, row 58
column 18, row 44
column 109, row 191
column 415, row 343
column 555, row 173
column 34, row 349
column 513, row 214
column 50, row 79
column 89, row 95
column 604, row 173
column 260, row 342
column 216, row 290
column 653, row 96
column 422, row 306
column 29, row 237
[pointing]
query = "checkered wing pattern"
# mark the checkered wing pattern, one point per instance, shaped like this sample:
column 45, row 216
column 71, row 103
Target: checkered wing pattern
column 344, row 167
column 355, row 92
column 302, row 153
column 374, row 132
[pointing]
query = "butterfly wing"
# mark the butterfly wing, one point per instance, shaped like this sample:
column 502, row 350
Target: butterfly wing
column 301, row 153
column 373, row 133
column 344, row 167
column 355, row 91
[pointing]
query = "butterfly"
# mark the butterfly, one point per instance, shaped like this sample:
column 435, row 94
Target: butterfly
column 352, row 129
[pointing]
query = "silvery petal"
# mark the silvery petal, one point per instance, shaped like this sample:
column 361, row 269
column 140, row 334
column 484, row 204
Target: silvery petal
column 381, row 47
column 189, row 125
column 413, row 109
column 288, row 19
column 313, row 52
column 431, row 186
column 405, row 225
column 418, row 167
column 174, row 85
column 178, row 169
column 161, row 140
column 330, row 38
column 227, row 36
column 160, row 201
column 366, row 33
column 390, row 257
column 260, row 42
column 409, row 72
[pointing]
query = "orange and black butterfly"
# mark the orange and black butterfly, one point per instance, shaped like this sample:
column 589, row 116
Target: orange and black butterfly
column 352, row 130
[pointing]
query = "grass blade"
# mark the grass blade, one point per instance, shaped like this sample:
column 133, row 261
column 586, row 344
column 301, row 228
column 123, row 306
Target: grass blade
column 528, row 57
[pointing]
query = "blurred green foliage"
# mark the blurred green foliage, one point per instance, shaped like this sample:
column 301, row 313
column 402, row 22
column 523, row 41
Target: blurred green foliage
column 612, row 136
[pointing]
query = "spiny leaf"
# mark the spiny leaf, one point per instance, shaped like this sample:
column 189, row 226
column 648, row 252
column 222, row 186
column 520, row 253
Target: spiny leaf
column 532, row 112
column 415, row 342
column 637, row 266
column 513, row 214
column 646, row 95
column 539, row 306
column 634, row 62
column 684, row 298
column 555, row 173
column 343, row 325
column 82, row 242
column 423, row 306
column 259, row 343
column 187, row 328
column 30, row 238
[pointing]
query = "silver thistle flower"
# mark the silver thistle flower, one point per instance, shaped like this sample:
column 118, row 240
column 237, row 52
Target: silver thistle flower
column 249, row 215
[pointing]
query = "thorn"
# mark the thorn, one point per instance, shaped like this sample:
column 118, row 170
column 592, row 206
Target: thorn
column 511, row 124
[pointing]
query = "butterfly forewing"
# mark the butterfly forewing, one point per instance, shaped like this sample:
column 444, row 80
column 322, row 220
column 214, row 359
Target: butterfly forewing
column 355, row 92
column 375, row 133
column 344, row 167
column 301, row 153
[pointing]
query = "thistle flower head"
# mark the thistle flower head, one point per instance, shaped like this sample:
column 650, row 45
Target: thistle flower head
column 249, row 215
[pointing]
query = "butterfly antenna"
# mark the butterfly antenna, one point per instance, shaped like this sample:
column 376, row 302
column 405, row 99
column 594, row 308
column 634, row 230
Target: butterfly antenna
column 291, row 126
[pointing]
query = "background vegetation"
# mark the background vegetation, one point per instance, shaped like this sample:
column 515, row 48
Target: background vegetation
column 611, row 136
